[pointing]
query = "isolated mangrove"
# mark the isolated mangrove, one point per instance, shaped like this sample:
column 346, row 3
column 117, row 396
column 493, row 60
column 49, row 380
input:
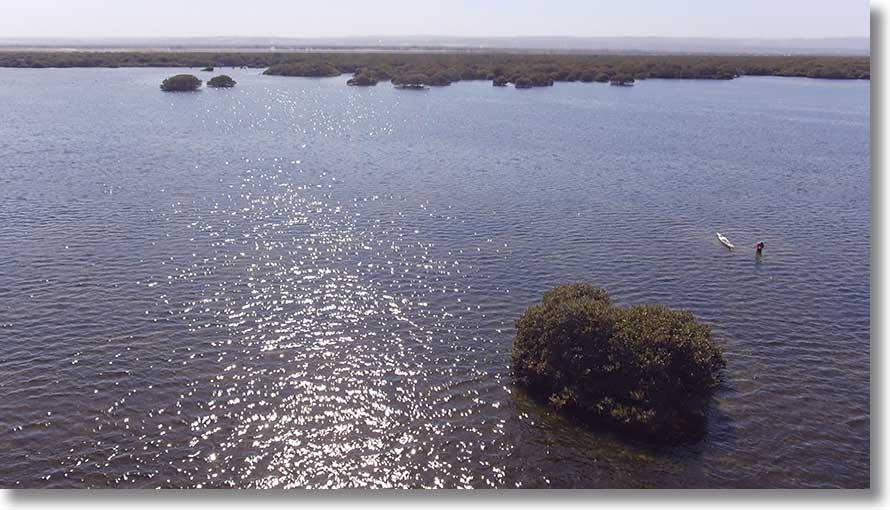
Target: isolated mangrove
column 181, row 83
column 646, row 370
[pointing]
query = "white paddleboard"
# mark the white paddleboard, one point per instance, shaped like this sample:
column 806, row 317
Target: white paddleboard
column 723, row 239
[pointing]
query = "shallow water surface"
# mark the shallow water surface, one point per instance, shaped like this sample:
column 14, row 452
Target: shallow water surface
column 295, row 283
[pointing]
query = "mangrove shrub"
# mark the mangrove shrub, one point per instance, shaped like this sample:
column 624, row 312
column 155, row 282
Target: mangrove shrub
column 645, row 370
column 222, row 81
column 362, row 80
column 181, row 83
column 523, row 83
column 412, row 79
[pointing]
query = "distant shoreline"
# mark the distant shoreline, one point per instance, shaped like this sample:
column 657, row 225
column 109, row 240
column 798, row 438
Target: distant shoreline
column 445, row 67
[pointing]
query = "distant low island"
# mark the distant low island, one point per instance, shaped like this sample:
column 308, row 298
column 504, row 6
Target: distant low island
column 523, row 70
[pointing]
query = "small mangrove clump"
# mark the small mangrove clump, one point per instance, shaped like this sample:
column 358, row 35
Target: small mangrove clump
column 523, row 82
column 222, row 81
column 181, row 83
column 362, row 80
column 644, row 370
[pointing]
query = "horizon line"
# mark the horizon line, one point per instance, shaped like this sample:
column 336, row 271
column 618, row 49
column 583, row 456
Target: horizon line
column 362, row 36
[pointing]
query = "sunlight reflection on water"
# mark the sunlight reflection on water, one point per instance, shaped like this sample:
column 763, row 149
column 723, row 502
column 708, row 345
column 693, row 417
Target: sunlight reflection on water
column 294, row 283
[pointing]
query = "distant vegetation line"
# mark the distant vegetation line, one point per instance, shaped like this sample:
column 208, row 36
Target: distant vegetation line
column 442, row 68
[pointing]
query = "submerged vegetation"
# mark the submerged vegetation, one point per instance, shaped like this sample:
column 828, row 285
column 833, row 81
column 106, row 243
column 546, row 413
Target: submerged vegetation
column 222, row 81
column 181, row 83
column 444, row 68
column 644, row 370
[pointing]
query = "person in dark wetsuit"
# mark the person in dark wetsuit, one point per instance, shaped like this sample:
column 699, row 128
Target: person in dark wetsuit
column 760, row 246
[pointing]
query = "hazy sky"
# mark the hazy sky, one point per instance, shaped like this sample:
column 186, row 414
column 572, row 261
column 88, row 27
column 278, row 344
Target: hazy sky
column 708, row 18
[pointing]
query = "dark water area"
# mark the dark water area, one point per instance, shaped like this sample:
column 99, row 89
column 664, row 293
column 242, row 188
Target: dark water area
column 295, row 283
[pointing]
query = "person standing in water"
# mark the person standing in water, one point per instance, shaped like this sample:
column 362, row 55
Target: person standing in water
column 760, row 246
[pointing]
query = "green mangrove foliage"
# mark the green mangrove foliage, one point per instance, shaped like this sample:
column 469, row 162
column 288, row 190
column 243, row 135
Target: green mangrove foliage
column 304, row 69
column 411, row 81
column 621, row 79
column 181, row 83
column 222, row 81
column 523, row 82
column 362, row 80
column 442, row 68
column 646, row 370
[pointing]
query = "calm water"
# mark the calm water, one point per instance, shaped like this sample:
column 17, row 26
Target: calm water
column 296, row 283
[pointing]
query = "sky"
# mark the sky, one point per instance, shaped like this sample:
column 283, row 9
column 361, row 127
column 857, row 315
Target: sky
column 333, row 18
